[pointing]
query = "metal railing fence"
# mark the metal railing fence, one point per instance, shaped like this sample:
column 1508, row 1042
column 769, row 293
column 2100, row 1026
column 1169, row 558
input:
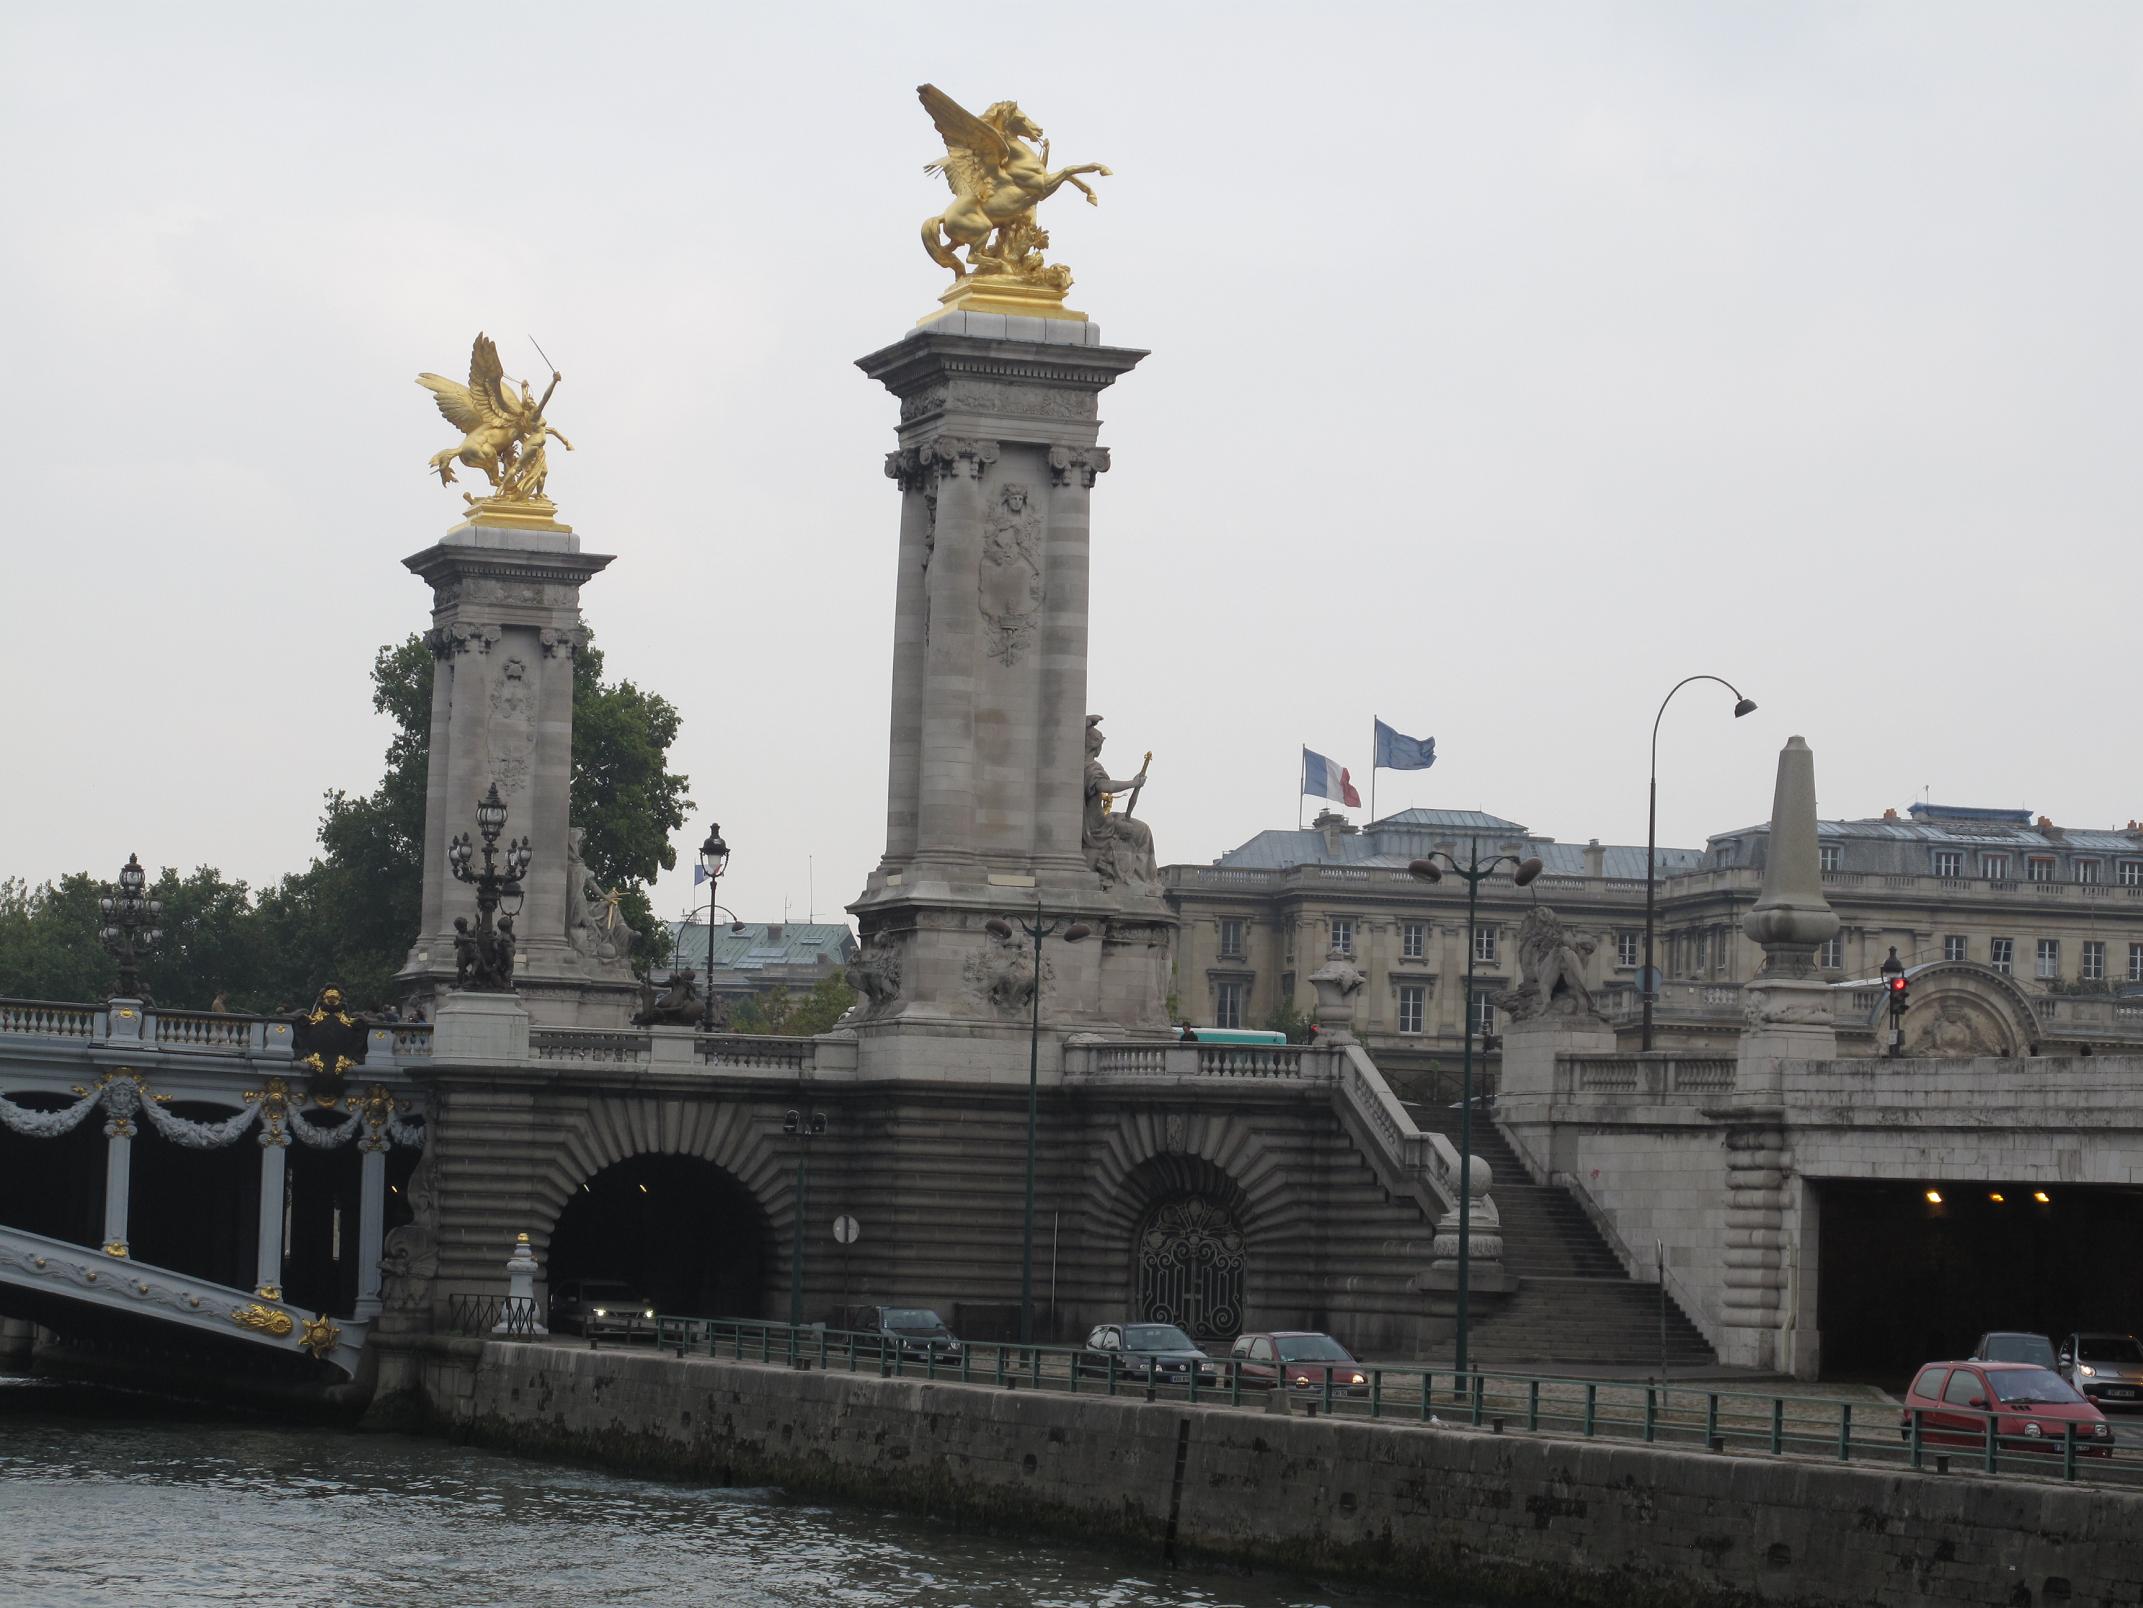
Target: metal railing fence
column 1649, row 1411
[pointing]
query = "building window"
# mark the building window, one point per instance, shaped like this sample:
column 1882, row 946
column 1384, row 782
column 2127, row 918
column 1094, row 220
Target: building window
column 1410, row 997
column 1828, row 854
column 2001, row 954
column 1413, row 939
column 1484, row 944
column 1287, row 945
column 1228, row 1005
column 1949, row 862
column 1953, row 947
column 2094, row 962
column 2135, row 963
column 1833, row 955
column 2130, row 873
column 1287, row 988
column 1994, row 867
column 2086, row 870
column 1342, row 935
column 2049, row 957
column 2038, row 869
column 1231, row 937
column 1629, row 946
column 1484, row 1014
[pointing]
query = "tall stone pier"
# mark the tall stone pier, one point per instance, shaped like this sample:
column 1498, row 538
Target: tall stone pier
column 988, row 810
column 506, row 630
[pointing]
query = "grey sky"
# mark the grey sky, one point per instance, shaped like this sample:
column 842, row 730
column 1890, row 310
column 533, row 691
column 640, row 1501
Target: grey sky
column 1509, row 363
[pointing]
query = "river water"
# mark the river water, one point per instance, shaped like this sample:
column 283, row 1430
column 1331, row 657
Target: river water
column 109, row 1500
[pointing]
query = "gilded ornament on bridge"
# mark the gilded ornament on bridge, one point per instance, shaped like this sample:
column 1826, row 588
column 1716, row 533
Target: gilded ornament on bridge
column 265, row 1319
column 504, row 435
column 318, row 1335
column 329, row 1042
column 997, row 181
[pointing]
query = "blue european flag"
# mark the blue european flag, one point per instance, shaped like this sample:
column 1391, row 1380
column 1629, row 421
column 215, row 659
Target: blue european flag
column 699, row 875
column 1397, row 751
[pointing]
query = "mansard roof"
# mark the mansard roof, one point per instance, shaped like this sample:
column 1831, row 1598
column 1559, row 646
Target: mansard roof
column 1391, row 841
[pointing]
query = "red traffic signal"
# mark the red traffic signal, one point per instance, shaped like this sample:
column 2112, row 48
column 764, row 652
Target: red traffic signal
column 1897, row 985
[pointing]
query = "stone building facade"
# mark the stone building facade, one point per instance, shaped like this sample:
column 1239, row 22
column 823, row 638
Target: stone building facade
column 2041, row 925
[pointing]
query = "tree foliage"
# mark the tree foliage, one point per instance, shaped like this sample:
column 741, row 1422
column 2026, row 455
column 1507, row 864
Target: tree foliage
column 794, row 1015
column 351, row 916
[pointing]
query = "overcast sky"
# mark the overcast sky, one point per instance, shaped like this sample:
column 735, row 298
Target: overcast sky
column 1508, row 364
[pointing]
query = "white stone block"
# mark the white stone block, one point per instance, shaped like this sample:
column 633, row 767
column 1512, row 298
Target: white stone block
column 1093, row 332
column 1064, row 331
column 990, row 326
column 1024, row 329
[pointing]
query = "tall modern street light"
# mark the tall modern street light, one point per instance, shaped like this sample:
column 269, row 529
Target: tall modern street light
column 1475, row 872
column 1648, row 983
column 1037, row 929
column 803, row 1127
column 713, row 861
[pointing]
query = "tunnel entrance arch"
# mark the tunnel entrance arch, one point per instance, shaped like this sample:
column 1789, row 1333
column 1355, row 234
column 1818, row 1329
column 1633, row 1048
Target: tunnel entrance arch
column 682, row 1231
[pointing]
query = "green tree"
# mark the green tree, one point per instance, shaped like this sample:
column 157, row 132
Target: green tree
column 1287, row 1018
column 351, row 915
column 777, row 1011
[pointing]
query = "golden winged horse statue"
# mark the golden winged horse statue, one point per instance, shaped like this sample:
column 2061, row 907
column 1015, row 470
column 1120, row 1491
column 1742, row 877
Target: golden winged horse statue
column 997, row 181
column 502, row 434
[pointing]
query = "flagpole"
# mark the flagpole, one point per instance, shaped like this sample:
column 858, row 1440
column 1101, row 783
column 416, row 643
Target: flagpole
column 1372, row 768
column 1302, row 780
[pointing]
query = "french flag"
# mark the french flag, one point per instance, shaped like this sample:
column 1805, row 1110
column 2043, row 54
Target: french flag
column 1323, row 779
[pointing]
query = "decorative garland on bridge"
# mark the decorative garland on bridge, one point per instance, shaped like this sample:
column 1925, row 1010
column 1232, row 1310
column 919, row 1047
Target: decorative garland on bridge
column 124, row 1095
column 47, row 1124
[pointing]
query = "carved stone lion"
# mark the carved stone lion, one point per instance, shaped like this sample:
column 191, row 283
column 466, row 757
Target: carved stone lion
column 1551, row 970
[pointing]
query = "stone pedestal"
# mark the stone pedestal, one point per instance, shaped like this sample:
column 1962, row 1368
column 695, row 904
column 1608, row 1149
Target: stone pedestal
column 1527, row 1086
column 506, row 630
column 479, row 1027
column 986, row 810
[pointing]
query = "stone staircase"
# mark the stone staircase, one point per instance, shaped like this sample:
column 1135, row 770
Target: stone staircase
column 1574, row 1304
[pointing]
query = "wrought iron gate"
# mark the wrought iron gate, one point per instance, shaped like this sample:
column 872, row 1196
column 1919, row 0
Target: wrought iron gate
column 1190, row 1268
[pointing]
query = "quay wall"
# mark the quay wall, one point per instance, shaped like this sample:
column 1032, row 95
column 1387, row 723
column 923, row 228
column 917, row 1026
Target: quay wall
column 1443, row 1508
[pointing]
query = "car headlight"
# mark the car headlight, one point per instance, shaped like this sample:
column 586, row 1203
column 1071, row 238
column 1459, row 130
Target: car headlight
column 649, row 1313
column 2100, row 1428
column 1302, row 1379
column 1359, row 1379
column 2034, row 1431
column 602, row 1312
column 2087, row 1370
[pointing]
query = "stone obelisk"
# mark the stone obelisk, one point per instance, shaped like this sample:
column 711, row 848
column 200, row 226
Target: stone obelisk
column 988, row 810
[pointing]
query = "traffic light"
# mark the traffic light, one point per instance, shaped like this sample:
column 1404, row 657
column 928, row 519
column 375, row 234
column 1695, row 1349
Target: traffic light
column 1900, row 995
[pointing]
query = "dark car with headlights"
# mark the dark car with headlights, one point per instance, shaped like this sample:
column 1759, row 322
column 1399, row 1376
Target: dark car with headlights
column 2107, row 1368
column 1302, row 1359
column 916, row 1334
column 2031, row 1408
column 601, row 1306
column 1157, row 1351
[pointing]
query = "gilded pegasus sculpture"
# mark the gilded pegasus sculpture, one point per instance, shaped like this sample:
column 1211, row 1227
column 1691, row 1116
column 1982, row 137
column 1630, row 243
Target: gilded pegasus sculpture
column 997, row 181
column 504, row 435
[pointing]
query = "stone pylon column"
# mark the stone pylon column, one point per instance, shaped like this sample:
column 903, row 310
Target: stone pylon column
column 121, row 1101
column 506, row 632
column 274, row 1155
column 986, row 803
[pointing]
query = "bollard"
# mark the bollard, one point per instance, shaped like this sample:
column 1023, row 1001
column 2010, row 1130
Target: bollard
column 1495, row 1426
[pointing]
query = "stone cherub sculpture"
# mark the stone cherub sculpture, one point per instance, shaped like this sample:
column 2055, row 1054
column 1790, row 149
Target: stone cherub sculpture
column 1551, row 970
column 1117, row 846
column 997, row 181
column 502, row 434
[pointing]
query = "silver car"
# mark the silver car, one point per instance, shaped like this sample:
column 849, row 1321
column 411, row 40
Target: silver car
column 2107, row 1368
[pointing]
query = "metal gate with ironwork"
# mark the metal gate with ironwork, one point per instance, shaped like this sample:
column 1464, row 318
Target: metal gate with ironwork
column 1190, row 1268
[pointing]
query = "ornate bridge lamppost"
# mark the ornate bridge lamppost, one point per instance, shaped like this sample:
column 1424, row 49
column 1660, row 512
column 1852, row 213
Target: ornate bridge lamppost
column 713, row 861
column 1037, row 929
column 1648, row 982
column 1474, row 872
column 483, row 959
column 130, row 928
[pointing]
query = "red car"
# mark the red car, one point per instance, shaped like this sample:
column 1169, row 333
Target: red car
column 2032, row 1408
column 1300, row 1357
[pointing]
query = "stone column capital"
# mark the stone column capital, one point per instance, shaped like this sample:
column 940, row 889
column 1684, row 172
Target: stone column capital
column 1085, row 462
column 446, row 641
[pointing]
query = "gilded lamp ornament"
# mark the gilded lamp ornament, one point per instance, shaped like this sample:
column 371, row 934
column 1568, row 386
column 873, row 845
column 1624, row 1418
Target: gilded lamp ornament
column 504, row 435
column 997, row 180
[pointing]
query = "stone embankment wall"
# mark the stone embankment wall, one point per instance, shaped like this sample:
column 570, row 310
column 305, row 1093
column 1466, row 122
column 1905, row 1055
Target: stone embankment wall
column 1444, row 1508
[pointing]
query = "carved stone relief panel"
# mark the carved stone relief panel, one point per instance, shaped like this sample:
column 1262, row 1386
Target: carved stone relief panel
column 510, row 735
column 1011, row 574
